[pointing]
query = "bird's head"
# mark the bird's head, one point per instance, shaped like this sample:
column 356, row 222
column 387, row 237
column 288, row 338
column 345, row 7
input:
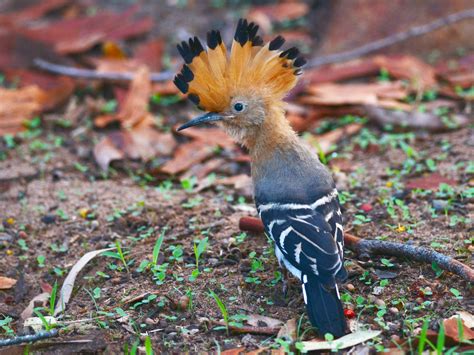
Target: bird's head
column 239, row 89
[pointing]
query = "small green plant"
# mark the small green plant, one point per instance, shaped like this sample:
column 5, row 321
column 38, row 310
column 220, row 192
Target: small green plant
column 121, row 255
column 222, row 308
column 157, row 247
column 148, row 346
column 52, row 298
column 5, row 325
column 199, row 248
column 40, row 259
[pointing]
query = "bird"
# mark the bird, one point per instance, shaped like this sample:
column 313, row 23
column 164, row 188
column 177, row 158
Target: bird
column 242, row 91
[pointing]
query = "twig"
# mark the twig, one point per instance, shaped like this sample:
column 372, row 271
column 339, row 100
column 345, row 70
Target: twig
column 29, row 338
column 249, row 329
column 316, row 62
column 392, row 39
column 96, row 75
column 365, row 247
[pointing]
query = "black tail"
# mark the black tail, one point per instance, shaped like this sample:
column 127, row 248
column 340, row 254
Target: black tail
column 324, row 307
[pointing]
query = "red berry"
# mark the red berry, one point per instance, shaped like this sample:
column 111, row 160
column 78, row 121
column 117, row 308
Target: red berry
column 366, row 207
column 349, row 313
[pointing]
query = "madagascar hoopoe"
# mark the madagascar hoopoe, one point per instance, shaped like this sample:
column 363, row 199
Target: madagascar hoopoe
column 295, row 194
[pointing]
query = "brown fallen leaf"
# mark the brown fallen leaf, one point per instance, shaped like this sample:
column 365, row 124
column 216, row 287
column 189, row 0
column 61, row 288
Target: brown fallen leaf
column 202, row 170
column 35, row 11
column 451, row 327
column 429, row 182
column 258, row 320
column 413, row 119
column 37, row 301
column 19, row 105
column 81, row 34
column 143, row 141
column 278, row 12
column 343, row 71
column 211, row 136
column 377, row 94
column 288, row 330
column 138, row 138
column 57, row 89
column 6, row 283
column 325, row 142
column 186, row 156
column 421, row 75
column 150, row 54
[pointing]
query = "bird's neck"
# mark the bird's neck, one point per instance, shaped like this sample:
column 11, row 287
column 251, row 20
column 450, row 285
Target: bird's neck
column 274, row 134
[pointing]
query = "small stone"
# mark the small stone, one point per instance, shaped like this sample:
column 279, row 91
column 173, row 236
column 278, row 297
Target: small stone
column 183, row 303
column 372, row 298
column 213, row 261
column 162, row 323
column 150, row 321
column 94, row 224
column 440, row 205
column 378, row 290
column 393, row 310
column 395, row 338
column 380, row 303
column 350, row 287
column 22, row 235
column 48, row 219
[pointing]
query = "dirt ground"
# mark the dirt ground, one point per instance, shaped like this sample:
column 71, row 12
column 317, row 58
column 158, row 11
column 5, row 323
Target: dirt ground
column 56, row 205
column 46, row 193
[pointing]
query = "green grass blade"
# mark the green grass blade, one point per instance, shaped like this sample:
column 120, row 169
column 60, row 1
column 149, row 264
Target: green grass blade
column 157, row 247
column 222, row 308
column 441, row 340
column 52, row 298
column 148, row 346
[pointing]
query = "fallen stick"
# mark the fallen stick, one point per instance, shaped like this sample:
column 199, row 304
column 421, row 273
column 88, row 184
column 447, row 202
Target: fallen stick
column 249, row 329
column 388, row 41
column 316, row 62
column 365, row 247
column 29, row 338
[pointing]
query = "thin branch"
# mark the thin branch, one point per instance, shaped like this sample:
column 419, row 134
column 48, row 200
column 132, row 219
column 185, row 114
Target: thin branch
column 316, row 62
column 96, row 75
column 248, row 329
column 392, row 39
column 29, row 338
column 365, row 247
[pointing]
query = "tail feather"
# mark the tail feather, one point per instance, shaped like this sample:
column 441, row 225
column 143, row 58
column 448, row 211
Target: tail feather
column 324, row 307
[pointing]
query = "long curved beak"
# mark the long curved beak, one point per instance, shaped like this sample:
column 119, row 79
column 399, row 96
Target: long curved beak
column 208, row 117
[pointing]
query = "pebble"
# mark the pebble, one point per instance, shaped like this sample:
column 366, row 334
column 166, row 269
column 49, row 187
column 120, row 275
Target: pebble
column 380, row 303
column 94, row 224
column 150, row 321
column 183, row 303
column 48, row 219
column 378, row 290
column 350, row 287
column 393, row 310
column 213, row 261
column 440, row 205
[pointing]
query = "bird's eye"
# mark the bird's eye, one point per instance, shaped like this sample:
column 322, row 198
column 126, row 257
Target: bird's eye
column 239, row 107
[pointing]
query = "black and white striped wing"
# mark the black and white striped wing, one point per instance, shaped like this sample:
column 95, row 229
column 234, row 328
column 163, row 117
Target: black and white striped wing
column 308, row 237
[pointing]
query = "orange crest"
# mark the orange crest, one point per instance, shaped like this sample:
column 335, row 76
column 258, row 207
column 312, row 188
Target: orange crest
column 211, row 77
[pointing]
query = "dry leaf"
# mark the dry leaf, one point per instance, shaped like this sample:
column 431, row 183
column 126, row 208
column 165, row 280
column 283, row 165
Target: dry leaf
column 19, row 105
column 138, row 137
column 422, row 76
column 344, row 342
column 258, row 320
column 451, row 327
column 288, row 330
column 467, row 318
column 200, row 171
column 81, row 34
column 429, row 182
column 412, row 119
column 279, row 12
column 68, row 285
column 150, row 54
column 143, row 141
column 6, row 283
column 212, row 136
column 186, row 156
column 38, row 300
column 378, row 94
column 325, row 142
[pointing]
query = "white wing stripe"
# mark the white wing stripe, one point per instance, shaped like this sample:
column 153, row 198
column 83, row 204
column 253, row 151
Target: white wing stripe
column 295, row 206
column 283, row 236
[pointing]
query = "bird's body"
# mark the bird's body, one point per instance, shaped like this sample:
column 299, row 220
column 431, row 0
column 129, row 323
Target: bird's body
column 294, row 192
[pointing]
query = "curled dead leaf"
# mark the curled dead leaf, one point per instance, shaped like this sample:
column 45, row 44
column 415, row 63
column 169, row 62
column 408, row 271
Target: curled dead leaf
column 186, row 156
column 6, row 283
